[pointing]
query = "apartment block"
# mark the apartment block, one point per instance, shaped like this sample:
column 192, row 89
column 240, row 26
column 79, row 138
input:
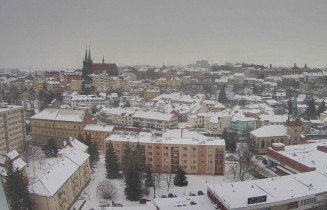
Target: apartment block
column 195, row 153
column 12, row 128
column 98, row 133
column 155, row 120
column 59, row 124
column 60, row 186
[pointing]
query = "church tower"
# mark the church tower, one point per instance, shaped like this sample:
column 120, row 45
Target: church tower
column 87, row 63
column 294, row 125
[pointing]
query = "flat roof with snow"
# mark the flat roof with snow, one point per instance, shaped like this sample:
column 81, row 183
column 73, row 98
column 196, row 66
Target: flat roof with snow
column 60, row 115
column 279, row 190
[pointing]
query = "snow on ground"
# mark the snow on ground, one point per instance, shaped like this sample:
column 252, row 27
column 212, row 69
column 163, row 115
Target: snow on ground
column 195, row 183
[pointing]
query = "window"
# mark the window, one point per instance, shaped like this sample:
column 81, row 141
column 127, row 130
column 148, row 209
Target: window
column 193, row 155
column 210, row 149
column 193, row 148
column 150, row 153
column 185, row 161
column 210, row 155
column 185, row 148
column 193, row 162
column 149, row 147
column 165, row 148
column 184, row 155
column 193, row 167
column 262, row 144
column 166, row 154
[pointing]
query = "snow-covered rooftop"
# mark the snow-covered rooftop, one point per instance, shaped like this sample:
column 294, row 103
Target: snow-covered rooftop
column 97, row 127
column 279, row 190
column 270, row 130
column 153, row 115
column 307, row 154
column 60, row 115
column 170, row 137
column 50, row 182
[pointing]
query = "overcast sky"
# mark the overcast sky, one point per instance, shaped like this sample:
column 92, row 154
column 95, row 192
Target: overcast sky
column 54, row 34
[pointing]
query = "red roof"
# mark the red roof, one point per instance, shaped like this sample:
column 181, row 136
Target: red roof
column 110, row 68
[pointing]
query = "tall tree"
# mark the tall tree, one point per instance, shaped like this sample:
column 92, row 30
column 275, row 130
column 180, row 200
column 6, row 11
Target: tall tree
column 222, row 98
column 149, row 182
column 112, row 165
column 180, row 178
column 311, row 109
column 92, row 150
column 16, row 189
column 127, row 156
column 289, row 106
column 14, row 94
column 232, row 144
column 322, row 107
column 50, row 149
column 139, row 157
column 133, row 184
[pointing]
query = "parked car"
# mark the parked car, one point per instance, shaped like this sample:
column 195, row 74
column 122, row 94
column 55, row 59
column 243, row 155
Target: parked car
column 116, row 204
column 170, row 195
column 191, row 193
column 163, row 196
column 200, row 192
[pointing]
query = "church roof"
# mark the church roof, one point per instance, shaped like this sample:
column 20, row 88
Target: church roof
column 110, row 68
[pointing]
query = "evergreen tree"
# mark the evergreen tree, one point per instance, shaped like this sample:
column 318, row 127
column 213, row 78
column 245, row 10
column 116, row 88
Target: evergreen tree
column 322, row 107
column 311, row 109
column 139, row 157
column 80, row 137
column 289, row 106
column 222, row 98
column 227, row 140
column 112, row 165
column 16, row 189
column 232, row 144
column 133, row 184
column 127, row 156
column 149, row 178
column 180, row 178
column 92, row 150
column 50, row 149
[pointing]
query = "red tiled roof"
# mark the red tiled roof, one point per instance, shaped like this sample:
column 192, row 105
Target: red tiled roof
column 110, row 68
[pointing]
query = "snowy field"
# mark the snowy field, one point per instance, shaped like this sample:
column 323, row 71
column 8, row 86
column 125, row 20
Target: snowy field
column 196, row 183
column 93, row 200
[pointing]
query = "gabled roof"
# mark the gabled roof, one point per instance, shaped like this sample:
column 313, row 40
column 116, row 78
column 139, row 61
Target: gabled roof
column 60, row 115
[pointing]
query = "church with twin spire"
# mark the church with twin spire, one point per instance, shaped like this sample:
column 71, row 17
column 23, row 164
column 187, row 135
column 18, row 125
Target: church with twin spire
column 97, row 68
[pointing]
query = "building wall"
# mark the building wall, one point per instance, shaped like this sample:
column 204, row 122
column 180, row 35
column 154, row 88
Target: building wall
column 65, row 197
column 12, row 129
column 60, row 131
column 194, row 159
column 260, row 144
column 97, row 137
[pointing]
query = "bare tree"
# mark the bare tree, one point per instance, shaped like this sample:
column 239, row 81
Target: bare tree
column 39, row 156
column 157, row 179
column 233, row 168
column 244, row 156
column 107, row 189
column 168, row 178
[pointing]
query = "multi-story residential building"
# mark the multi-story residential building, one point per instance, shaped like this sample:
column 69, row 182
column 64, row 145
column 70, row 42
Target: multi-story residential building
column 88, row 101
column 150, row 94
column 53, row 86
column 60, row 186
column 76, row 85
column 102, row 82
column 17, row 163
column 117, row 116
column 59, row 124
column 117, row 83
column 173, row 82
column 98, row 133
column 242, row 124
column 154, row 120
column 265, row 120
column 200, row 120
column 195, row 153
column 12, row 128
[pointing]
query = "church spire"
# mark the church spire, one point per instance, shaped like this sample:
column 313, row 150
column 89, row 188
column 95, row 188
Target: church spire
column 294, row 110
column 85, row 59
column 103, row 59
column 89, row 59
